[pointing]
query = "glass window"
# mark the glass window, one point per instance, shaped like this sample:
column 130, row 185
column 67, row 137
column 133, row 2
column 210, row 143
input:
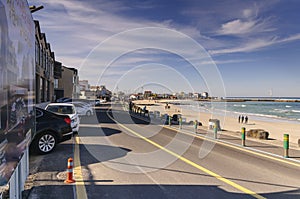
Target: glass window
column 61, row 109
column 55, row 83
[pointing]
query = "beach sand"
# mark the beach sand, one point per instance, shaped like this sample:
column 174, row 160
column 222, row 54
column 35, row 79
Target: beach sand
column 276, row 129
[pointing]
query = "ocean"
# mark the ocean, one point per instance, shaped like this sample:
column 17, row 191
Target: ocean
column 260, row 110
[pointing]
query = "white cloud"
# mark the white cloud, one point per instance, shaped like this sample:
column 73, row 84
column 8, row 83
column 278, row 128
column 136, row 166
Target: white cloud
column 255, row 44
column 247, row 13
column 237, row 27
column 247, row 22
column 240, row 27
column 232, row 61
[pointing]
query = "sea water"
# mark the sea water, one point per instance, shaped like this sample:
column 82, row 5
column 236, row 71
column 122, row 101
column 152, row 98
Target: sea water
column 261, row 110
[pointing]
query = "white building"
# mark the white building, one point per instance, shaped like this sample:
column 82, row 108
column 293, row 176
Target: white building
column 84, row 85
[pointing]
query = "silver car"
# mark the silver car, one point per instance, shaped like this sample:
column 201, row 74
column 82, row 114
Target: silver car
column 66, row 109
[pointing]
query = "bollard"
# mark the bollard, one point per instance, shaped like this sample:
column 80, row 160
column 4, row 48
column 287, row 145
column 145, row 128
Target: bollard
column 195, row 125
column 70, row 179
column 215, row 131
column 169, row 120
column 243, row 136
column 180, row 123
column 286, row 145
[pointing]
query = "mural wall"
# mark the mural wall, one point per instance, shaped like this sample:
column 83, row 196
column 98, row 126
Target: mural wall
column 17, row 72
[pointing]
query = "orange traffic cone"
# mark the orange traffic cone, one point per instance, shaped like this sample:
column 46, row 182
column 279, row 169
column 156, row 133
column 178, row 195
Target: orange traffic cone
column 70, row 179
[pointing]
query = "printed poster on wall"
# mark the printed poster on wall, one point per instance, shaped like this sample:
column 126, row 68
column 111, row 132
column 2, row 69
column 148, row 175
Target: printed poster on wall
column 17, row 83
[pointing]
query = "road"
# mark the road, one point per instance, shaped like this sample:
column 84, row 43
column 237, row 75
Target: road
column 119, row 156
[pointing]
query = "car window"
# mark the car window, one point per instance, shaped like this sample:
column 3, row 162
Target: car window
column 52, row 108
column 62, row 109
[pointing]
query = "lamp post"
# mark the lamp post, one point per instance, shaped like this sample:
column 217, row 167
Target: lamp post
column 34, row 8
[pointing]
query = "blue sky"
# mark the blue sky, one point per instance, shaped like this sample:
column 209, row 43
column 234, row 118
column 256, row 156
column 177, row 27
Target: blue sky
column 244, row 48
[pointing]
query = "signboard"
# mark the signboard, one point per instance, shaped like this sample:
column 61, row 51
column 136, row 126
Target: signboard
column 17, row 83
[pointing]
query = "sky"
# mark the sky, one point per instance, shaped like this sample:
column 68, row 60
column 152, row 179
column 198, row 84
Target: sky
column 225, row 47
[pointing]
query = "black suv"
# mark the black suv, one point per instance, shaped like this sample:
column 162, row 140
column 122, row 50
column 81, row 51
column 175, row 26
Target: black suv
column 51, row 129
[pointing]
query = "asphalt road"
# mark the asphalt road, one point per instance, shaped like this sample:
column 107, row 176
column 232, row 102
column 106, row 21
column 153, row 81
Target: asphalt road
column 121, row 156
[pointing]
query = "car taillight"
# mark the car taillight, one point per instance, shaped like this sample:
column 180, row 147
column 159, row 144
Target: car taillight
column 68, row 120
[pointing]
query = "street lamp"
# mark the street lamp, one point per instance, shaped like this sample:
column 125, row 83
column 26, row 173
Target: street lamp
column 34, row 8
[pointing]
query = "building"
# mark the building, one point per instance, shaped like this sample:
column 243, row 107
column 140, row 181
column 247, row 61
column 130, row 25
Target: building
column 204, row 95
column 53, row 80
column 87, row 91
column 68, row 84
column 196, row 95
column 58, row 92
column 147, row 94
column 84, row 85
column 44, row 60
column 103, row 93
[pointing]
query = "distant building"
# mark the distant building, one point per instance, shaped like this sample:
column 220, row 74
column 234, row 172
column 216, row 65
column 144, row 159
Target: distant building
column 147, row 94
column 85, row 90
column 69, row 83
column 132, row 97
column 94, row 88
column 204, row 95
column 197, row 95
column 103, row 93
column 87, row 94
column 84, row 85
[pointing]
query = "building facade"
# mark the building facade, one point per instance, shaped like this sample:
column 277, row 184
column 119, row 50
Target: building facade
column 69, row 83
column 58, row 91
column 44, row 61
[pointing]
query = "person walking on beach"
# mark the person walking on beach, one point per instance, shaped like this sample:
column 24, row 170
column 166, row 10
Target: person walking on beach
column 242, row 119
column 239, row 118
column 246, row 119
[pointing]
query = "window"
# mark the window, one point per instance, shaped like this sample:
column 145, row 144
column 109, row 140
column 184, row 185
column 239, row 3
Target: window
column 55, row 83
column 61, row 109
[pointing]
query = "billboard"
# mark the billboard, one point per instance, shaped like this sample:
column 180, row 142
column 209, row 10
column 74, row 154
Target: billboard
column 17, row 83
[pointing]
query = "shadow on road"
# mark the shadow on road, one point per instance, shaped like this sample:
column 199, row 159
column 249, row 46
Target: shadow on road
column 149, row 191
column 100, row 131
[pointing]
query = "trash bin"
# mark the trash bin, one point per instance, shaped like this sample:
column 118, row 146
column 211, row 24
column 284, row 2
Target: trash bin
column 166, row 118
column 214, row 122
column 175, row 118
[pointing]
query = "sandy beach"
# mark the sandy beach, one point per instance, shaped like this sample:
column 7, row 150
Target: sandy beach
column 229, row 123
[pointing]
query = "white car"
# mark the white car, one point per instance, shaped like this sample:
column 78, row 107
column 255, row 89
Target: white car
column 66, row 109
column 83, row 109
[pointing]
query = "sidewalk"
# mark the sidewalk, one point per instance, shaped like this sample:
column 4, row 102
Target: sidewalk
column 271, row 147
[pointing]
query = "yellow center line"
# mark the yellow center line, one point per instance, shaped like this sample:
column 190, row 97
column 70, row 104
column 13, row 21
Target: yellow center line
column 217, row 176
column 80, row 187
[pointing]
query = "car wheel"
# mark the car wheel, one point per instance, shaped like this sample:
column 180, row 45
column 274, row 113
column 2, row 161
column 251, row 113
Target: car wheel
column 44, row 143
column 88, row 113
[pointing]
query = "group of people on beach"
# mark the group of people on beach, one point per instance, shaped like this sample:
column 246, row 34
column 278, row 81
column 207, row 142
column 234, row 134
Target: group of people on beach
column 243, row 119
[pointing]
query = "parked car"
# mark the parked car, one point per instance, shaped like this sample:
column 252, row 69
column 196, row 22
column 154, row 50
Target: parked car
column 94, row 102
column 83, row 109
column 51, row 129
column 66, row 109
column 64, row 99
